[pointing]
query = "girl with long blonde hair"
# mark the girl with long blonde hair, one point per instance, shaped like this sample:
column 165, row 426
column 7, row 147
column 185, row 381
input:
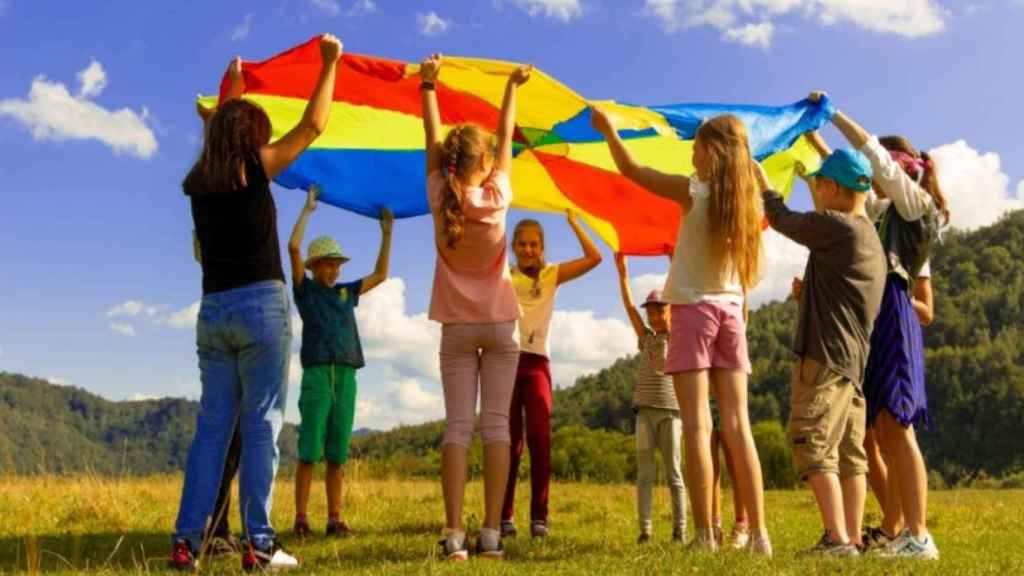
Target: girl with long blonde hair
column 717, row 261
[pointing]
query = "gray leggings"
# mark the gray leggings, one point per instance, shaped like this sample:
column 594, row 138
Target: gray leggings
column 658, row 429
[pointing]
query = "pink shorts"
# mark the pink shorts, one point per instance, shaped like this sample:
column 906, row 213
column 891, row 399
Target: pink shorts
column 707, row 335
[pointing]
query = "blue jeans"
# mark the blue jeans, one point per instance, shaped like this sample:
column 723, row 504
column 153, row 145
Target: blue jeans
column 244, row 341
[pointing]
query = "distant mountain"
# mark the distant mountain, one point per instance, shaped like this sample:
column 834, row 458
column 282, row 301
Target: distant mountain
column 46, row 428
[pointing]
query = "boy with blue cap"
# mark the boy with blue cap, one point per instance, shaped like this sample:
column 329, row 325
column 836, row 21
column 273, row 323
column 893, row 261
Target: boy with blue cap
column 842, row 293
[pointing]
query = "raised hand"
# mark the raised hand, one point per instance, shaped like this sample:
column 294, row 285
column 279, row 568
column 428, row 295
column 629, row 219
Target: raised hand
column 570, row 215
column 521, row 75
column 431, row 67
column 311, row 198
column 816, row 96
column 235, row 68
column 330, row 49
column 387, row 220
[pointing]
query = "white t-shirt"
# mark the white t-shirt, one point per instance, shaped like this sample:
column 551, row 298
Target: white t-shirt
column 693, row 277
column 537, row 299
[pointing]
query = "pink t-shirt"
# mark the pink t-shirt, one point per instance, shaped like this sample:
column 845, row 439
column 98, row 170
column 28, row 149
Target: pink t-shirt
column 472, row 283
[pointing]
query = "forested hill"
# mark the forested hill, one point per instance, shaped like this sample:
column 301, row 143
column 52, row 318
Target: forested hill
column 46, row 428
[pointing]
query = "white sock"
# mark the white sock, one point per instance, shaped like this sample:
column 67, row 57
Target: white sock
column 455, row 539
column 490, row 538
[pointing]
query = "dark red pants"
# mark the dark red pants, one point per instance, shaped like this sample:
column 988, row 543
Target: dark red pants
column 531, row 400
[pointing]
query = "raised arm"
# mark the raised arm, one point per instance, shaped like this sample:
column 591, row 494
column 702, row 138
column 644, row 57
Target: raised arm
column 670, row 186
column 295, row 241
column 627, row 296
column 276, row 157
column 380, row 272
column 429, row 70
column 236, row 88
column 507, row 122
column 591, row 255
column 909, row 199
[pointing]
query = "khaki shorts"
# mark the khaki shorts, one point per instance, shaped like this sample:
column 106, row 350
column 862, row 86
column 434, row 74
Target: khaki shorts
column 827, row 421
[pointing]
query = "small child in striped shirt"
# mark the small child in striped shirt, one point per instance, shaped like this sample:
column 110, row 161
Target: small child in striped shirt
column 658, row 424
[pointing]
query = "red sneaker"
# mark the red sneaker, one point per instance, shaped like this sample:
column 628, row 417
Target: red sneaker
column 182, row 558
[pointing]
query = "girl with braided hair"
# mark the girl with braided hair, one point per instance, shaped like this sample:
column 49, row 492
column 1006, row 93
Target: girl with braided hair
column 474, row 300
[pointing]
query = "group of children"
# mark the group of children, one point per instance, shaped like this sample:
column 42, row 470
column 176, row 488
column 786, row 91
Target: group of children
column 859, row 363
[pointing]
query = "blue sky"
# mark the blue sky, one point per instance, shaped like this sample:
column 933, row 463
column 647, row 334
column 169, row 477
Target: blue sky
column 97, row 130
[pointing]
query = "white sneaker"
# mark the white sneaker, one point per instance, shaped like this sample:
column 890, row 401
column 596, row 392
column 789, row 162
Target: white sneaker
column 760, row 545
column 271, row 559
column 907, row 546
column 740, row 537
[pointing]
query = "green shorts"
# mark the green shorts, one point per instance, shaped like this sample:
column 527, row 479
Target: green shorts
column 327, row 405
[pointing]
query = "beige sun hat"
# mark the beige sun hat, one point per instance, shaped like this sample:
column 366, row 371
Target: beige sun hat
column 323, row 247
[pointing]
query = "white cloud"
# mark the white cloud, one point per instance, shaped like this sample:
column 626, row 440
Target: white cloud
column 751, row 34
column 975, row 185
column 431, row 24
column 138, row 397
column 122, row 328
column 564, row 10
column 581, row 343
column 241, row 31
column 363, row 7
column 93, row 79
column 184, row 319
column 405, row 401
column 59, row 381
column 750, row 21
column 328, row 7
column 52, row 112
column 784, row 260
column 409, row 343
column 131, row 308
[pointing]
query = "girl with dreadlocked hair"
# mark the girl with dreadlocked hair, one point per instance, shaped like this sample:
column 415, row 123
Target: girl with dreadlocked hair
column 910, row 209
column 473, row 298
column 717, row 262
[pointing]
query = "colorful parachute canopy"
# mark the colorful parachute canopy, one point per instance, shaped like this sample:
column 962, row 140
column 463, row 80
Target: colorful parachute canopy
column 372, row 153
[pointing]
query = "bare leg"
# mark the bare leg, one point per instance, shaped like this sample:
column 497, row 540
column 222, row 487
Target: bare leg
column 496, row 464
column 716, row 478
column 900, row 445
column 303, row 479
column 453, row 483
column 829, row 495
column 692, row 393
column 333, row 480
column 878, row 472
column 731, row 389
column 855, row 493
column 739, row 509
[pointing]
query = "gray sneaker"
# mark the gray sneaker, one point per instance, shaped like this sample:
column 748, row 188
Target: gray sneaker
column 508, row 529
column 703, row 541
column 828, row 547
column 539, row 529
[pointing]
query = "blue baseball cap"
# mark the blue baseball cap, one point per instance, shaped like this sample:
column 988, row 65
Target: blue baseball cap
column 849, row 168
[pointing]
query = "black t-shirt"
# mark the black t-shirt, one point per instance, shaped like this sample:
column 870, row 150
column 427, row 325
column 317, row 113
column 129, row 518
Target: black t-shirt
column 237, row 234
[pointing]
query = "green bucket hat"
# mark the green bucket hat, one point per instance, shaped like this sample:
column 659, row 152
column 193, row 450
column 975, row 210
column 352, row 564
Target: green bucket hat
column 324, row 247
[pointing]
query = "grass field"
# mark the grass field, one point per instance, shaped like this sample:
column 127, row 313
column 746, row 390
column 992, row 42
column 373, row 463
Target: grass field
column 105, row 526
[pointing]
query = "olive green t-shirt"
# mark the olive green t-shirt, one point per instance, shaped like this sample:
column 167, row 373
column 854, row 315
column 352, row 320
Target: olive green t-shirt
column 843, row 284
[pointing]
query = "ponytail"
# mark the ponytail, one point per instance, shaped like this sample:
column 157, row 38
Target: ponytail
column 464, row 148
column 930, row 182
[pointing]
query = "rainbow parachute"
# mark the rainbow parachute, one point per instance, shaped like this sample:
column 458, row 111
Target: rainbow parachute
column 371, row 154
